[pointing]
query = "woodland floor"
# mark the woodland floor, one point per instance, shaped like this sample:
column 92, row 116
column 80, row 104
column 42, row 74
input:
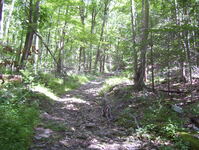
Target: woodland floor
column 75, row 122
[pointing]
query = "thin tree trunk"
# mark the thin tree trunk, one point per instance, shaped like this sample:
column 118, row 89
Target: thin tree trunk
column 33, row 17
column 152, row 64
column 97, row 59
column 1, row 18
column 9, row 19
column 82, row 52
column 93, row 22
column 133, row 26
column 140, row 74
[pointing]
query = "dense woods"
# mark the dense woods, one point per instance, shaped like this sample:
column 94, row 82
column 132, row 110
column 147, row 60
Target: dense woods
column 145, row 51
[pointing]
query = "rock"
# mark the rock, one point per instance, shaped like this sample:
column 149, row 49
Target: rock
column 90, row 125
column 43, row 133
column 177, row 109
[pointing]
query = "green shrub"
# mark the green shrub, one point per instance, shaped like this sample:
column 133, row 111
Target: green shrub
column 111, row 82
column 16, row 126
column 60, row 85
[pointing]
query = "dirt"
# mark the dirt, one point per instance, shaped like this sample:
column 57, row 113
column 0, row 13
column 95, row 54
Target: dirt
column 75, row 122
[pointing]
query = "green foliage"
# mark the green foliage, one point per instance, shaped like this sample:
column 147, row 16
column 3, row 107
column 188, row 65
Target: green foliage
column 18, row 115
column 60, row 85
column 189, row 137
column 126, row 118
column 16, row 126
column 111, row 82
column 163, row 121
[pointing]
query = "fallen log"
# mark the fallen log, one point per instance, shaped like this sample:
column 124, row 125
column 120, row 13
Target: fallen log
column 10, row 78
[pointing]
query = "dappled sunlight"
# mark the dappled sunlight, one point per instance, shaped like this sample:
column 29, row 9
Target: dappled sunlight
column 94, row 91
column 95, row 82
column 45, row 91
column 52, row 96
column 70, row 107
column 73, row 100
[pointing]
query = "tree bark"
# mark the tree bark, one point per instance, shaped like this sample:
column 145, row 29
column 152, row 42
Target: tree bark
column 1, row 18
column 133, row 26
column 9, row 19
column 93, row 23
column 32, row 25
column 97, row 59
column 140, row 74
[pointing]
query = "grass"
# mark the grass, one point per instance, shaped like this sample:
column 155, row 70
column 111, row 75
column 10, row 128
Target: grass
column 111, row 82
column 159, row 122
column 16, row 126
column 19, row 111
column 59, row 86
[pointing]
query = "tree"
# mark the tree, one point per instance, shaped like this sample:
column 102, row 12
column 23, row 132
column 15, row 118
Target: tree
column 33, row 16
column 1, row 18
column 140, row 74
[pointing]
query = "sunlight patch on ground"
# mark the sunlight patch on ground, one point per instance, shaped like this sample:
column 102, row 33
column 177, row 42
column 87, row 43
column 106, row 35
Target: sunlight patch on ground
column 73, row 100
column 95, row 82
column 67, row 89
column 70, row 107
column 45, row 91
column 113, row 145
column 52, row 96
column 94, row 91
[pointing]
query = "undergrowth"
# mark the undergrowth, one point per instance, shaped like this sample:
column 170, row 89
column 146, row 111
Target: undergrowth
column 19, row 106
column 148, row 116
column 111, row 82
column 60, row 85
column 157, row 122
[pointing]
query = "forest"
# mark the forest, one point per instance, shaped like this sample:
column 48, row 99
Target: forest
column 99, row 74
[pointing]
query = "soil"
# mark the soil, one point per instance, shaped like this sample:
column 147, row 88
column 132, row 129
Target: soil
column 75, row 122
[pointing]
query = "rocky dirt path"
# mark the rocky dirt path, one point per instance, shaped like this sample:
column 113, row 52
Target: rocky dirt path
column 74, row 122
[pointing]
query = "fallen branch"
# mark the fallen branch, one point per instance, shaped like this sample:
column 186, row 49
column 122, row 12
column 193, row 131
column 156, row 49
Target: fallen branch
column 170, row 91
column 46, row 46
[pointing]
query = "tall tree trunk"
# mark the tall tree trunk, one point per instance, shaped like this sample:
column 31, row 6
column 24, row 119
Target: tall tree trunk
column 82, row 52
column 133, row 26
column 9, row 19
column 36, row 56
column 61, row 48
column 97, row 59
column 140, row 74
column 93, row 22
column 1, row 18
column 32, row 25
column 152, row 63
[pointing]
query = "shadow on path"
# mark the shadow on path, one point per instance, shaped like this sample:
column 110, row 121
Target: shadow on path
column 75, row 123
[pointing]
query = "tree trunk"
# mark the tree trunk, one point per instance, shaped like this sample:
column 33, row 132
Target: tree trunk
column 93, row 22
column 1, row 18
column 97, row 59
column 82, row 52
column 33, row 17
column 140, row 74
column 133, row 26
column 152, row 64
column 9, row 19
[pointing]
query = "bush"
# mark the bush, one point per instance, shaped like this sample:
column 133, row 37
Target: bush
column 16, row 126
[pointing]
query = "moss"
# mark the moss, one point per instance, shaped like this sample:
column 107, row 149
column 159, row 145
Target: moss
column 189, row 137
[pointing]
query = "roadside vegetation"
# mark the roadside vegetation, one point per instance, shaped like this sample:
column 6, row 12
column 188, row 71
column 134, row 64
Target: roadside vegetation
column 20, row 105
column 149, row 116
